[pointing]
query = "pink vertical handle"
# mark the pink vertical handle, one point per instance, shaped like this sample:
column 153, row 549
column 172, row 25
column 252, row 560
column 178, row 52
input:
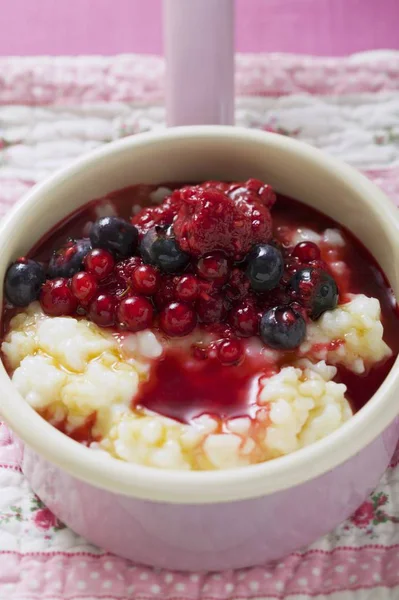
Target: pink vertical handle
column 199, row 49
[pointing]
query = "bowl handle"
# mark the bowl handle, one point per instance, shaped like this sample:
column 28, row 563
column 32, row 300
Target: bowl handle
column 199, row 50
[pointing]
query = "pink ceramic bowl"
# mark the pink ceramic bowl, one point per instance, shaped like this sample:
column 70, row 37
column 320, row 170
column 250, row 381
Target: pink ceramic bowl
column 208, row 520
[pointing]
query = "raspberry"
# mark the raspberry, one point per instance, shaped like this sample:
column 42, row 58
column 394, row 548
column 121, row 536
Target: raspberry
column 253, row 190
column 209, row 219
column 163, row 214
column 124, row 269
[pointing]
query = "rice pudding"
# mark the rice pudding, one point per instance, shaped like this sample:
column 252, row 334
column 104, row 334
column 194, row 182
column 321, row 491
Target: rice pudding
column 198, row 327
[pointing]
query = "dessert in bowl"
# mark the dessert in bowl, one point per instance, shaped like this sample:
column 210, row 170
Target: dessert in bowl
column 198, row 328
column 216, row 326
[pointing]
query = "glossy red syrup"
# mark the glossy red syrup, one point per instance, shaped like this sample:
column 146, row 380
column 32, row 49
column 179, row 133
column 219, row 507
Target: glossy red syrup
column 182, row 387
column 211, row 388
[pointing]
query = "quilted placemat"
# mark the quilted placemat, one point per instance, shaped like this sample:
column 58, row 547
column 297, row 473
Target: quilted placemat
column 53, row 110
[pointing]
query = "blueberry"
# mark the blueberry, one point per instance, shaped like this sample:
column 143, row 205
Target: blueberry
column 316, row 290
column 158, row 247
column 282, row 328
column 23, row 281
column 114, row 234
column 67, row 260
column 265, row 267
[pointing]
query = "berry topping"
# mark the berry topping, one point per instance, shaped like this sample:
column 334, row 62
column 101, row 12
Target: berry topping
column 84, row 287
column 209, row 219
column 159, row 248
column 23, row 281
column 102, row 310
column 162, row 215
column 244, row 319
column 210, row 309
column 214, row 266
column 306, row 252
column 265, row 267
column 114, row 285
column 166, row 292
column 206, row 255
column 177, row 319
column 114, row 234
column 146, row 280
column 238, row 285
column 187, row 288
column 57, row 299
column 230, row 352
column 282, row 328
column 99, row 263
column 135, row 313
column 125, row 268
column 298, row 308
column 316, row 290
column 253, row 190
column 68, row 260
column 208, row 288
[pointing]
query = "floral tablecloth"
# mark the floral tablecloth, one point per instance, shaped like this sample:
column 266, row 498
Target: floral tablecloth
column 54, row 109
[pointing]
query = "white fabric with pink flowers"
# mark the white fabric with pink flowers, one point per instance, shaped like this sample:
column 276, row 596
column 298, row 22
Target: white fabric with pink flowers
column 54, row 109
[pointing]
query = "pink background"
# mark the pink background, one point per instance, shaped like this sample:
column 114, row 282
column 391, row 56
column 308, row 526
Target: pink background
column 324, row 27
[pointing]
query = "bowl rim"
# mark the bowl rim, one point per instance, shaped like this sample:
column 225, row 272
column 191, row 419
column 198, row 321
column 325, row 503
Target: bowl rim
column 200, row 487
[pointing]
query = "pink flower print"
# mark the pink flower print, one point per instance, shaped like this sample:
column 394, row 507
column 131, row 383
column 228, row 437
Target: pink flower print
column 363, row 516
column 382, row 499
column 44, row 519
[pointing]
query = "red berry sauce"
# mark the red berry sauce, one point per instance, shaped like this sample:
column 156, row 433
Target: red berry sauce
column 211, row 388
